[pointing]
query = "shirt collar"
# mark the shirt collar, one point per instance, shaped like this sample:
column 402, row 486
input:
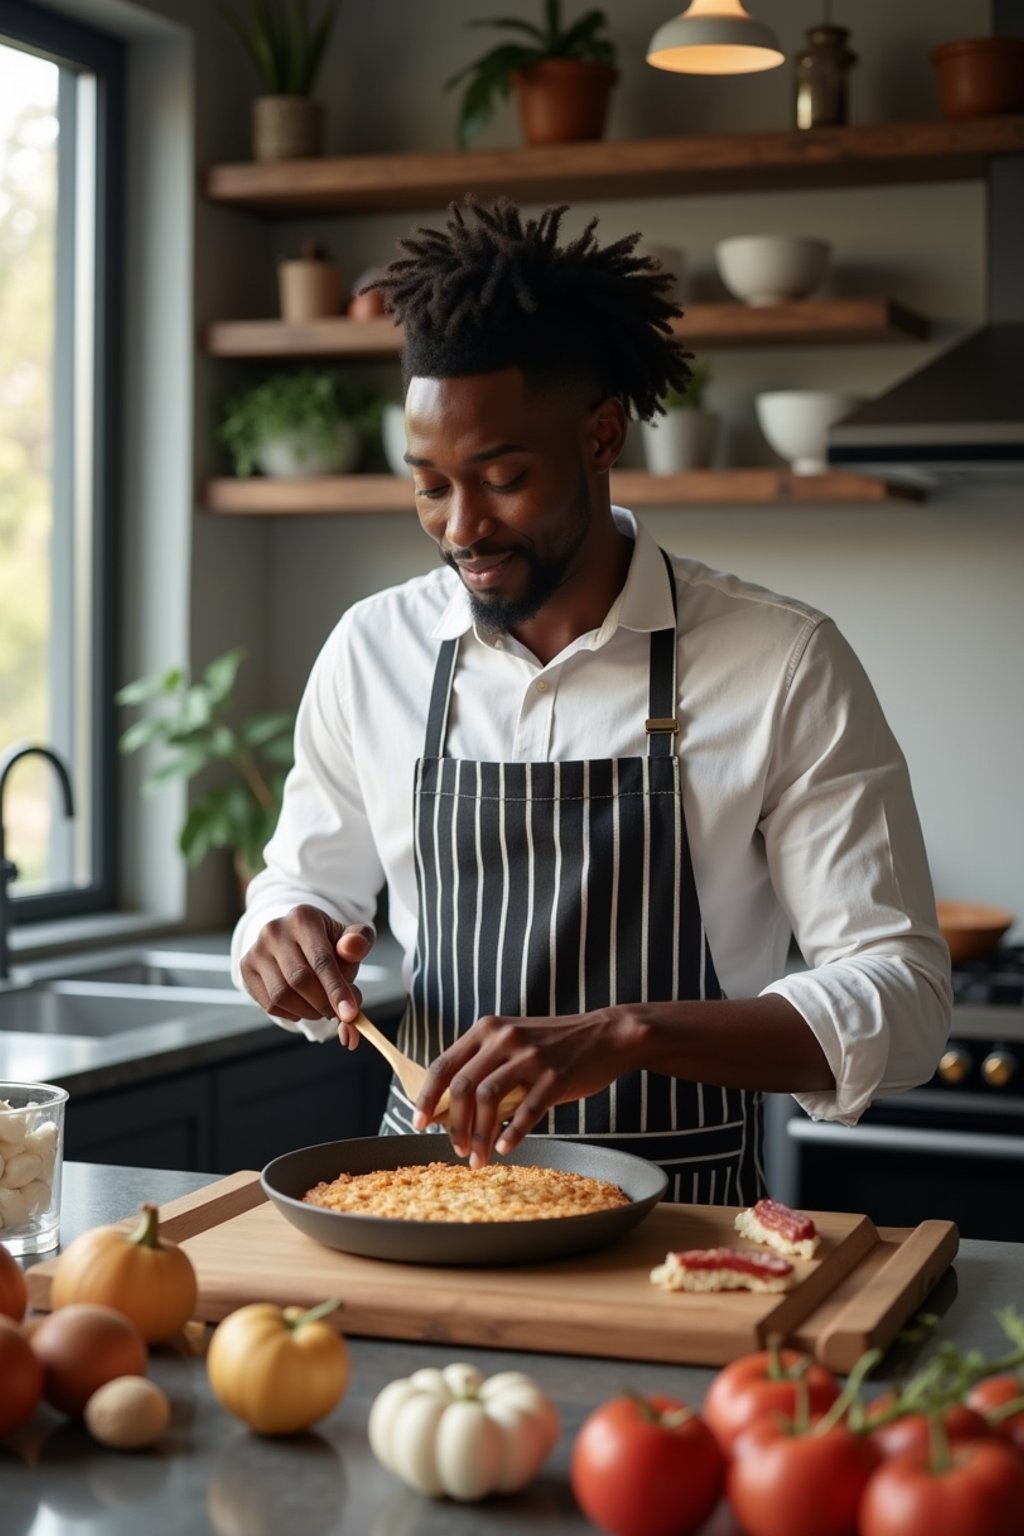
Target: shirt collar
column 643, row 605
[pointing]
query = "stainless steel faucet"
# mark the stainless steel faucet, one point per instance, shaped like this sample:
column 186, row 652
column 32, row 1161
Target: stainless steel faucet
column 8, row 871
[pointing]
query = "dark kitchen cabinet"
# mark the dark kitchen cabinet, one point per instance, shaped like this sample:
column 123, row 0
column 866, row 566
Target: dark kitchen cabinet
column 167, row 1123
column 235, row 1114
column 292, row 1097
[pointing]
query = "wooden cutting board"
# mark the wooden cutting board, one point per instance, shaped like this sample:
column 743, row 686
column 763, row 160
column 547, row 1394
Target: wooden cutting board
column 855, row 1294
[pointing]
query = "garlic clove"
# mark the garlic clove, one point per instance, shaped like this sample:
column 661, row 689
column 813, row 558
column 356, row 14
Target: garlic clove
column 13, row 1207
column 21, row 1169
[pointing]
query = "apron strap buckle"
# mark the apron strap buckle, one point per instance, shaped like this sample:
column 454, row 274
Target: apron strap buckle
column 659, row 724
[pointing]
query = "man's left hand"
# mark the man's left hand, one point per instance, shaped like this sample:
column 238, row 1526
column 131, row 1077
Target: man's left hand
column 556, row 1060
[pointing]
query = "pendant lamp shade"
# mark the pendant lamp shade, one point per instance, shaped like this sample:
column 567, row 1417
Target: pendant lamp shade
column 714, row 37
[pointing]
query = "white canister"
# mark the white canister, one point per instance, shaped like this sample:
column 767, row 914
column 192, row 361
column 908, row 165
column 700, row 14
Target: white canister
column 680, row 440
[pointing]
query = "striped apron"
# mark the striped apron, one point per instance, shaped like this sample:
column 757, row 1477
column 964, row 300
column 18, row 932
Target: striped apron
column 560, row 887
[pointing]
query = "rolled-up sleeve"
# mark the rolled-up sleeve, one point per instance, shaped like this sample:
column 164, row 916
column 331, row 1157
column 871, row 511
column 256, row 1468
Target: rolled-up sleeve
column 848, row 864
column 322, row 852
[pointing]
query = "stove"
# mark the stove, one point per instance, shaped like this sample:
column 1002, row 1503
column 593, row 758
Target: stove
column 953, row 1148
column 996, row 979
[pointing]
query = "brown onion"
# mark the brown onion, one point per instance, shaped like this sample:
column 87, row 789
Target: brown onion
column 13, row 1296
column 21, row 1378
column 83, row 1346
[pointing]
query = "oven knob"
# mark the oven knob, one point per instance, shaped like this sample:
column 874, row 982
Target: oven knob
column 998, row 1068
column 954, row 1065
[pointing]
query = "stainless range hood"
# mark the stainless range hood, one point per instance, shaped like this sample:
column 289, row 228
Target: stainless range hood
column 960, row 417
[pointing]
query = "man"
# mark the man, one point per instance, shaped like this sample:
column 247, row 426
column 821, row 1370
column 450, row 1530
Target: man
column 600, row 783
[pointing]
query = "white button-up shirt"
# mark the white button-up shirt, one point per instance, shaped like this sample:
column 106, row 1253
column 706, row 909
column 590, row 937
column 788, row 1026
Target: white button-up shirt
column 797, row 799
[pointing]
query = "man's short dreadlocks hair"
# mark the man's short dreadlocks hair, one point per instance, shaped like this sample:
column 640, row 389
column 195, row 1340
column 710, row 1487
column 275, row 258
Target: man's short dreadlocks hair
column 489, row 292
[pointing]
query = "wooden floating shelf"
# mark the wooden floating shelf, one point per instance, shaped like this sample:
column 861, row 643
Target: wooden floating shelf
column 863, row 154
column 809, row 322
column 334, row 494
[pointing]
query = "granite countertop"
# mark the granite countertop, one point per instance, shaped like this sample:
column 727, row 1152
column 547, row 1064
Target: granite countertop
column 212, row 1476
column 198, row 1037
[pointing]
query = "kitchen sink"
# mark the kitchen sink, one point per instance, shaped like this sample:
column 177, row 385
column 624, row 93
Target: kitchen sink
column 100, row 996
column 171, row 968
column 97, row 1010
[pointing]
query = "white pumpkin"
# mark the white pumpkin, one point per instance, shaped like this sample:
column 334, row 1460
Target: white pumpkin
column 458, row 1433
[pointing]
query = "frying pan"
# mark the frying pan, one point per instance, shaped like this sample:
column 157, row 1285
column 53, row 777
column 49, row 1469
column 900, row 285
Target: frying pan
column 287, row 1178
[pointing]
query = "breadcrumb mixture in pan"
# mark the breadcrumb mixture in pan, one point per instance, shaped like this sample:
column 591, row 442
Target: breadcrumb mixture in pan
column 452, row 1192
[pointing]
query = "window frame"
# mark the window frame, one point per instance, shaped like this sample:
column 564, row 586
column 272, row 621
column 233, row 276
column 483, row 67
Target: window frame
column 71, row 42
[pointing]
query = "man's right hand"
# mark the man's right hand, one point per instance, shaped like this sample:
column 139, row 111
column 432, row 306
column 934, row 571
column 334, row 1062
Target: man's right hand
column 304, row 965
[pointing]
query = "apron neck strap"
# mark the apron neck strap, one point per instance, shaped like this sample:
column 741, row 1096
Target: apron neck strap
column 440, row 699
column 661, row 724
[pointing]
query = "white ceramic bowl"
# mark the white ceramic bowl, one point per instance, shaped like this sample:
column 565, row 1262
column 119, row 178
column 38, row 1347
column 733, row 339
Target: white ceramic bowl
column 392, row 431
column 796, row 423
column 771, row 269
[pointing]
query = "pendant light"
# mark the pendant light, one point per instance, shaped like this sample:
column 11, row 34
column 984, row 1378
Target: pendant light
column 714, row 37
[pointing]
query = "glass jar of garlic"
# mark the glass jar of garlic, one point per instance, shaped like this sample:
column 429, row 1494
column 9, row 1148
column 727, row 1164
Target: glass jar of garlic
column 31, row 1158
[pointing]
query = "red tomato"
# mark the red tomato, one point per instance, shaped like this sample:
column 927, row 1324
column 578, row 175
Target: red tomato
column 746, row 1390
column 910, row 1433
column 996, row 1392
column 646, row 1467
column 784, row 1484
column 21, row 1378
column 980, row 1494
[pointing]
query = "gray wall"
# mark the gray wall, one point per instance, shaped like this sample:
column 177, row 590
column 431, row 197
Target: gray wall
column 929, row 595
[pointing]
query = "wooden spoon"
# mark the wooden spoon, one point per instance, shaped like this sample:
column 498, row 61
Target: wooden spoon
column 412, row 1076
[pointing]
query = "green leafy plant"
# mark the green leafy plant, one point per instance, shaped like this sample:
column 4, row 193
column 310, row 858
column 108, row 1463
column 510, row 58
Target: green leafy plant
column 240, row 811
column 285, row 46
column 490, row 76
column 312, row 403
column 692, row 397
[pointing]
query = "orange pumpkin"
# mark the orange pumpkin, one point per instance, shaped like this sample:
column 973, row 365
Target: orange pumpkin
column 138, row 1273
column 278, row 1370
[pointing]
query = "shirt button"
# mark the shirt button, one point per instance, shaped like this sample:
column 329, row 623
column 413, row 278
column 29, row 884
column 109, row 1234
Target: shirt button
column 542, row 686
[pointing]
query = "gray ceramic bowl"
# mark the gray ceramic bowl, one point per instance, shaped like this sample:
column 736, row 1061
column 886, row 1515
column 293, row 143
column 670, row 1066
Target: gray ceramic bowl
column 287, row 1178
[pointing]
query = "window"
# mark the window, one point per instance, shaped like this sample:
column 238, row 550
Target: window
column 60, row 110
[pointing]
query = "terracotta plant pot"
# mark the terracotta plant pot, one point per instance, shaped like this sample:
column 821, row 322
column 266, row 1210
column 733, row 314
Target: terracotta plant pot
column 980, row 76
column 562, row 100
column 287, row 127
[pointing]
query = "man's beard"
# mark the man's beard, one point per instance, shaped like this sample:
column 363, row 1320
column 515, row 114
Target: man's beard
column 498, row 615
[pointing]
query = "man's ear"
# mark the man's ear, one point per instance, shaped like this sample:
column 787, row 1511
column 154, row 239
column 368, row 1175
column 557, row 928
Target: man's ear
column 605, row 434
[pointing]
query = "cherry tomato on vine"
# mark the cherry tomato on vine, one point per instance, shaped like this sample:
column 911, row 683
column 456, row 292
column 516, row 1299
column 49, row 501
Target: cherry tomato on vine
column 763, row 1384
column 910, row 1432
column 782, row 1482
column 980, row 1493
column 646, row 1467
column 994, row 1394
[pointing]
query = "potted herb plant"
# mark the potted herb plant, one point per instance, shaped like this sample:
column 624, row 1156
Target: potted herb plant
column 286, row 46
column 684, row 437
column 562, row 74
column 305, row 423
column 240, row 808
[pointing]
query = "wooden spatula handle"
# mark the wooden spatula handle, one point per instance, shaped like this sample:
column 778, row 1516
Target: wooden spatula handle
column 506, row 1109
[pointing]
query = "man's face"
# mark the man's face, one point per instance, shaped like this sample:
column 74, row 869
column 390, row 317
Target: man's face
column 502, row 485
